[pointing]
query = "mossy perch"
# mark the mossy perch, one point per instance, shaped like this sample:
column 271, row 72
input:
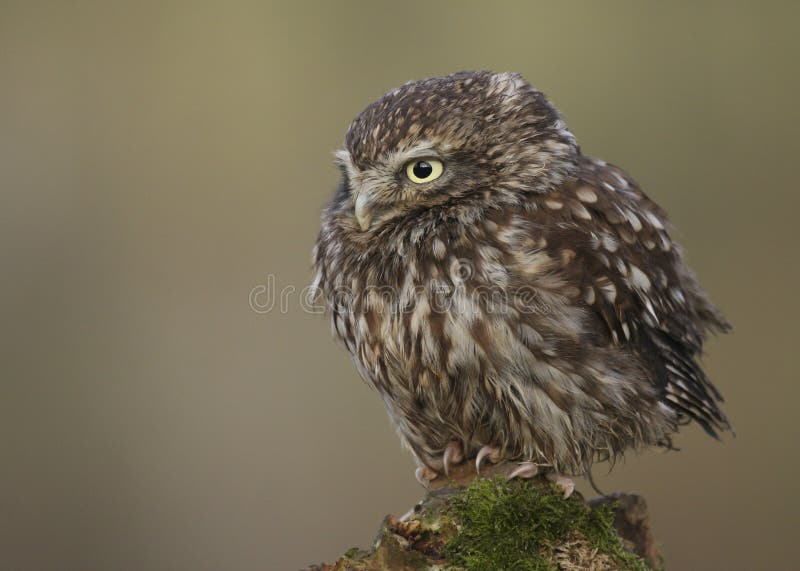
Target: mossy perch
column 491, row 524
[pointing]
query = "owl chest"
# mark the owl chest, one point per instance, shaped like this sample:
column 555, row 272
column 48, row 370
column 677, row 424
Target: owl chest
column 419, row 332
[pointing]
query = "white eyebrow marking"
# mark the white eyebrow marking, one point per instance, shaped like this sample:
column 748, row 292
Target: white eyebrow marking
column 419, row 149
column 343, row 159
column 396, row 158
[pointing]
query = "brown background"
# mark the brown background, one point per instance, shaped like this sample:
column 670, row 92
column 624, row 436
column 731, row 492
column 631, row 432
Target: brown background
column 160, row 160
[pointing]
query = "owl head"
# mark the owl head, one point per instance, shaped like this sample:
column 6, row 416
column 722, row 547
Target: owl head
column 432, row 147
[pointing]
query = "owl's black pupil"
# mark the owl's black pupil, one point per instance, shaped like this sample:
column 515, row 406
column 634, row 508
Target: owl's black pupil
column 422, row 169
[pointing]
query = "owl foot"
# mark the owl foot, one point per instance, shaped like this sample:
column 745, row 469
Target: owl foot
column 425, row 475
column 524, row 470
column 453, row 454
column 492, row 453
column 567, row 485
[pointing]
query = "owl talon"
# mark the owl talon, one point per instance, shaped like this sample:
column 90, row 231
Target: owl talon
column 452, row 455
column 492, row 453
column 567, row 485
column 525, row 470
column 425, row 475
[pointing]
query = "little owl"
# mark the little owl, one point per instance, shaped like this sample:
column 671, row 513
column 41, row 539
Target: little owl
column 510, row 298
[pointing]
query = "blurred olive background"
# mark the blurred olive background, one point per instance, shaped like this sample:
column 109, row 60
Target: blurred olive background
column 159, row 161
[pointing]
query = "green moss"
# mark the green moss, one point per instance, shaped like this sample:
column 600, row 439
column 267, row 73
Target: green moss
column 354, row 553
column 513, row 525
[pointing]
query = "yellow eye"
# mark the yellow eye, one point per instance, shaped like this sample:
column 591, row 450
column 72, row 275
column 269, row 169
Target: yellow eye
column 424, row 170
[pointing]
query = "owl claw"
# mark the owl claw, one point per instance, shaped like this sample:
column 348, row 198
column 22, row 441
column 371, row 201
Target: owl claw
column 424, row 475
column 524, row 470
column 490, row 452
column 452, row 455
column 567, row 485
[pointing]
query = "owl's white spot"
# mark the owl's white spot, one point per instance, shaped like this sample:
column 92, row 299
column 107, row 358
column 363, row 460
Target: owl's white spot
column 588, row 295
column 608, row 289
column 554, row 204
column 586, row 194
column 639, row 279
column 627, row 236
column 509, row 84
column 620, row 181
column 650, row 313
column 636, row 224
column 340, row 326
column 494, row 150
column 316, row 285
column 677, row 295
column 416, row 234
column 654, row 220
column 665, row 409
column 649, row 244
column 581, row 212
column 413, row 271
column 407, row 293
column 609, row 243
column 363, row 329
column 420, row 314
column 430, row 349
column 533, row 262
column 439, row 249
column 495, row 272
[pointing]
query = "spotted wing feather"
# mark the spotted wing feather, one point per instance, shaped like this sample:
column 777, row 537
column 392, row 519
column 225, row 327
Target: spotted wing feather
column 615, row 246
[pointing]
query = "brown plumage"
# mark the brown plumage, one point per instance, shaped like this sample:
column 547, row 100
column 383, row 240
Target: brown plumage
column 503, row 291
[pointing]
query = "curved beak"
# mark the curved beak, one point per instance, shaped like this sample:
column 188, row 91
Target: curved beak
column 363, row 210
